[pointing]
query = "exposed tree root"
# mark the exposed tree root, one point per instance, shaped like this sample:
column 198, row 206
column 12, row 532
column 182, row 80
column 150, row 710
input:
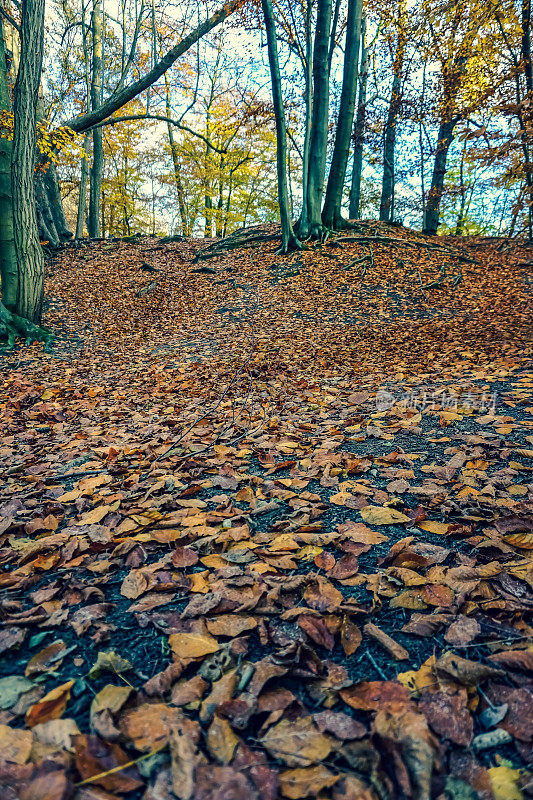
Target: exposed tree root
column 243, row 238
column 13, row 327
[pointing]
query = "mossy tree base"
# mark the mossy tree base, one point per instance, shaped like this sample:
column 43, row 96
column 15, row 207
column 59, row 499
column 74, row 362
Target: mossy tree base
column 13, row 327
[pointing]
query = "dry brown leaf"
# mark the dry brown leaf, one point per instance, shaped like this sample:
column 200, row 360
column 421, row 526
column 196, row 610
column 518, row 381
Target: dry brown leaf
column 221, row 741
column 350, row 636
column 149, row 725
column 306, row 781
column 51, row 706
column 192, row 645
column 383, row 515
column 15, row 744
column 297, row 742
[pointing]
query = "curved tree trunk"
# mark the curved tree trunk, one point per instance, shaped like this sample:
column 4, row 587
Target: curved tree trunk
column 331, row 214
column 53, row 193
column 445, row 139
column 45, row 220
column 288, row 238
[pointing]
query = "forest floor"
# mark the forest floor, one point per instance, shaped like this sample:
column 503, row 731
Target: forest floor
column 266, row 524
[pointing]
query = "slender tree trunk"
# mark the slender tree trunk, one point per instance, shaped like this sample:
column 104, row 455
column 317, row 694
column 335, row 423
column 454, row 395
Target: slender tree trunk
column 288, row 238
column 331, row 214
column 386, row 213
column 220, row 203
column 208, row 229
column 528, row 74
column 82, row 197
column 359, row 131
column 97, row 167
column 319, row 123
column 439, row 171
column 308, row 100
column 459, row 225
column 176, row 164
column 28, row 248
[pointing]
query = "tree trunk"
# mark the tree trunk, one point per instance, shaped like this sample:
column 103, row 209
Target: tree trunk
column 319, row 121
column 288, row 238
column 8, row 258
column 82, row 197
column 29, row 253
column 177, row 168
column 308, row 100
column 386, row 208
column 53, row 192
column 97, row 167
column 331, row 214
column 45, row 221
column 359, row 132
column 459, row 225
column 439, row 171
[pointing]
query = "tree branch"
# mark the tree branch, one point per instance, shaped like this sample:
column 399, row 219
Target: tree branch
column 159, row 118
column 9, row 18
column 118, row 100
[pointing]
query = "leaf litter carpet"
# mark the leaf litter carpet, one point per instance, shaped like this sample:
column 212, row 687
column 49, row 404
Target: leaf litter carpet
column 266, row 524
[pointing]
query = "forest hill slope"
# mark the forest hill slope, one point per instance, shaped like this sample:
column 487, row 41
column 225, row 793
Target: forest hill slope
column 266, row 524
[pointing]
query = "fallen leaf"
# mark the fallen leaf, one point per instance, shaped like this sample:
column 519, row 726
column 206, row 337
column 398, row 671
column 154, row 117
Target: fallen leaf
column 297, row 742
column 383, row 515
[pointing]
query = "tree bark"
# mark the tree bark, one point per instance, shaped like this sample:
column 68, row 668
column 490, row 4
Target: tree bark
column 359, row 132
column 288, row 238
column 8, row 257
column 29, row 253
column 331, row 214
column 97, row 166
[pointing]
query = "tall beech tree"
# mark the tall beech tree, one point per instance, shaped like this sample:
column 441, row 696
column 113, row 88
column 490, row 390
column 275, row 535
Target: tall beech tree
column 21, row 259
column 23, row 282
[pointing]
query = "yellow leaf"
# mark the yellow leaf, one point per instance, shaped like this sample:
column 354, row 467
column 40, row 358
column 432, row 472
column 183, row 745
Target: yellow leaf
column 97, row 514
column 504, row 783
column 221, row 741
column 440, row 528
column 192, row 645
column 383, row 515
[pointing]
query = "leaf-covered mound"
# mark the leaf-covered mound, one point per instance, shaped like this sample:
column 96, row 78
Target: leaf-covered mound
column 266, row 526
